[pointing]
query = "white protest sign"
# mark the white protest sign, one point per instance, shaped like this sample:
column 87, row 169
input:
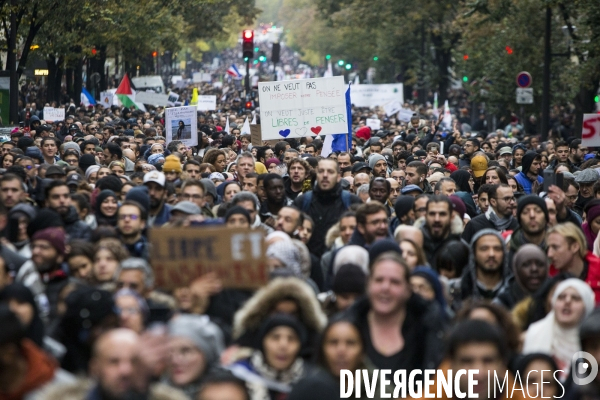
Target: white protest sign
column 54, row 114
column 217, row 85
column 590, row 131
column 207, row 103
column 106, row 98
column 180, row 124
column 376, row 95
column 173, row 97
column 392, row 108
column 151, row 98
column 374, row 124
column 304, row 107
column 405, row 114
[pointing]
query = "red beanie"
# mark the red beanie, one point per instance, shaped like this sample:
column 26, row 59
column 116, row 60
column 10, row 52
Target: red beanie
column 364, row 133
column 55, row 236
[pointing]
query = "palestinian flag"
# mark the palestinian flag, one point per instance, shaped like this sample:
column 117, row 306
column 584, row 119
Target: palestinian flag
column 125, row 94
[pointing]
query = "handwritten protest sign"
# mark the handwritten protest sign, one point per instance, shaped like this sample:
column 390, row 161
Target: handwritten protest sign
column 183, row 254
column 303, row 107
column 590, row 132
column 376, row 95
column 405, row 114
column 392, row 108
column 207, row 103
column 151, row 98
column 52, row 114
column 180, row 124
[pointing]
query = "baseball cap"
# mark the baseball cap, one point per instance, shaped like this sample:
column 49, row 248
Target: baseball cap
column 479, row 164
column 55, row 170
column 505, row 150
column 156, row 177
column 74, row 179
column 411, row 188
column 186, row 207
column 360, row 166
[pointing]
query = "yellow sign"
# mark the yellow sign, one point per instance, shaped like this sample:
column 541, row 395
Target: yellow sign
column 40, row 72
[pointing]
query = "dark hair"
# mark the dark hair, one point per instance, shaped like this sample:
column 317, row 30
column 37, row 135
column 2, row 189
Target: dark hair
column 83, row 202
column 191, row 162
column 143, row 212
column 370, row 208
column 114, row 150
column 388, row 185
column 499, row 171
column 537, row 307
column 574, row 144
column 474, row 141
column 320, row 358
column 475, row 331
column 453, row 255
column 11, row 177
column 485, row 188
column 440, row 199
column 224, row 377
column 271, row 177
column 53, row 185
column 81, row 248
column 438, row 185
column 420, row 167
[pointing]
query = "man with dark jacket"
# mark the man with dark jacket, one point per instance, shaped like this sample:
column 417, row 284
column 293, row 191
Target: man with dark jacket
column 58, row 198
column 499, row 215
column 533, row 218
column 487, row 270
column 325, row 204
column 436, row 230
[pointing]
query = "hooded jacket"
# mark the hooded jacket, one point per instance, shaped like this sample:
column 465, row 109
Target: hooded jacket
column 468, row 284
column 325, row 209
column 76, row 228
column 431, row 245
column 522, row 177
column 248, row 319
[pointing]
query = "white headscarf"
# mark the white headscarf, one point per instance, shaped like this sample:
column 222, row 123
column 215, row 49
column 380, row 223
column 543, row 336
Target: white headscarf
column 547, row 336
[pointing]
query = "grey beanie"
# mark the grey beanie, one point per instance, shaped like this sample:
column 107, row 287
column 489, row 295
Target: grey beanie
column 72, row 146
column 206, row 335
column 210, row 187
column 374, row 159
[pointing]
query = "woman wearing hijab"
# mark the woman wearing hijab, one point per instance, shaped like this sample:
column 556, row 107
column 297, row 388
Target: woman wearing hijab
column 591, row 226
column 107, row 205
column 426, row 283
column 557, row 334
column 464, row 181
column 530, row 268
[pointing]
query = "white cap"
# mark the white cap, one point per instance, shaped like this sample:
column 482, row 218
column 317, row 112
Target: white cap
column 155, row 176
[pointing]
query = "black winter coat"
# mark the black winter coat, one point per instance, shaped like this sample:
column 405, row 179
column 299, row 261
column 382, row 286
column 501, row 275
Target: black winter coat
column 76, row 228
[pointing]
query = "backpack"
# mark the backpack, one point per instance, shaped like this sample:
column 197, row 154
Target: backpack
column 307, row 199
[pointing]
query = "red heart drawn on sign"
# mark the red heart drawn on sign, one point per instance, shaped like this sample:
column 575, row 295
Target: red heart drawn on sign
column 316, row 130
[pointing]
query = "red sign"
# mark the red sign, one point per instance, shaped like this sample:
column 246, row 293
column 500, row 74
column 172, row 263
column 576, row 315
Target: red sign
column 524, row 79
column 590, row 132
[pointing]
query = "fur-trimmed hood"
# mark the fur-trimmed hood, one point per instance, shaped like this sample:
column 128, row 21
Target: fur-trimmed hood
column 258, row 307
column 80, row 390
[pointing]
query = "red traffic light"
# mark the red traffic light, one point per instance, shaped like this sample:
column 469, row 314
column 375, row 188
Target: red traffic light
column 248, row 104
column 509, row 50
column 466, row 57
column 94, row 51
column 154, row 54
column 248, row 35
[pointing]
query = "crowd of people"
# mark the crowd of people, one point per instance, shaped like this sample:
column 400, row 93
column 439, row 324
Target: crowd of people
column 419, row 247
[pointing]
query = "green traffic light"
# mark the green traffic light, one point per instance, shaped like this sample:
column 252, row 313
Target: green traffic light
column 245, row 58
column 375, row 58
column 596, row 99
column 255, row 62
column 348, row 66
column 465, row 79
column 328, row 57
column 341, row 62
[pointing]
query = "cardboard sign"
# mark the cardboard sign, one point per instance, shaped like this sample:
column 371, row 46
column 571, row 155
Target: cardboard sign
column 54, row 114
column 207, row 103
column 377, row 95
column 106, row 98
column 256, row 138
column 392, row 108
column 590, row 131
column 180, row 255
column 303, row 107
column 374, row 124
column 199, row 77
column 181, row 124
column 151, row 98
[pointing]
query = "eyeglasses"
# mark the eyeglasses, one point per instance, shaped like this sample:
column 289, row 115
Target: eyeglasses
column 128, row 310
column 132, row 217
column 506, row 199
column 572, row 198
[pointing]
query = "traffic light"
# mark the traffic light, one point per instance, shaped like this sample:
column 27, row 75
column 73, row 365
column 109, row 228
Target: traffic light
column 348, row 66
column 94, row 51
column 375, row 58
column 248, row 44
column 597, row 99
column 509, row 50
column 275, row 53
column 466, row 57
column 341, row 62
column 465, row 78
column 249, row 104
column 328, row 57
column 154, row 53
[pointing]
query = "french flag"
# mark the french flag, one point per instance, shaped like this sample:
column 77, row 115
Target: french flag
column 233, row 71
